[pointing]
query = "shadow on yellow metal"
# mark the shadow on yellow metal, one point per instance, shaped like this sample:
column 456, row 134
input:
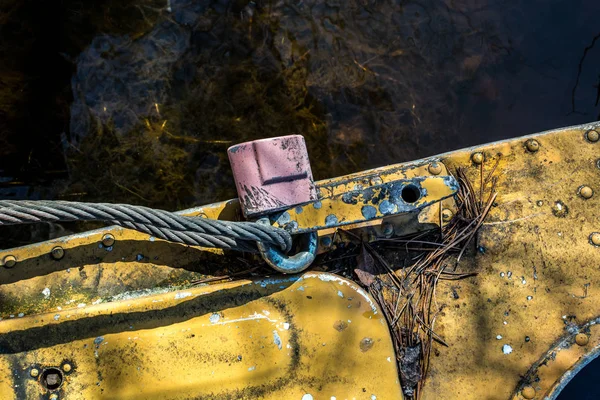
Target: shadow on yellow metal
column 513, row 330
column 537, row 271
column 293, row 337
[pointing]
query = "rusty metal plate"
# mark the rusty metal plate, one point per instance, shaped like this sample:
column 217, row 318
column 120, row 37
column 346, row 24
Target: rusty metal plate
column 315, row 336
column 367, row 203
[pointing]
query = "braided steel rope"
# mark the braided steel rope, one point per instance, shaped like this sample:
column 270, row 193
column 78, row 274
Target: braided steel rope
column 195, row 231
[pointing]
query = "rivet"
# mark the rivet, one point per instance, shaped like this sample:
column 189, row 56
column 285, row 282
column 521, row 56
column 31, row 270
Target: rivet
column 592, row 135
column 108, row 240
column 595, row 238
column 9, row 261
column 57, row 253
column 532, row 145
column 447, row 215
column 581, row 339
column 388, row 229
column 34, row 372
column 434, row 168
column 66, row 368
column 477, row 158
column 528, row 392
column 585, row 191
column 376, row 181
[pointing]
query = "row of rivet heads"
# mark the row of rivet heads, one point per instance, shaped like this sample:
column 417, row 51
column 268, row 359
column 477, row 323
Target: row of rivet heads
column 57, row 252
column 583, row 191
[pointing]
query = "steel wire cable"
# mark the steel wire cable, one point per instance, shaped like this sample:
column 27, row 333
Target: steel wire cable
column 195, row 231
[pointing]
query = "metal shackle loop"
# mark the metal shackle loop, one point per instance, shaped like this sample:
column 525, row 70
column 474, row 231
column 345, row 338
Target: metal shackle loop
column 290, row 264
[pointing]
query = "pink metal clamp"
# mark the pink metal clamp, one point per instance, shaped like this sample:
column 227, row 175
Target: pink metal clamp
column 272, row 174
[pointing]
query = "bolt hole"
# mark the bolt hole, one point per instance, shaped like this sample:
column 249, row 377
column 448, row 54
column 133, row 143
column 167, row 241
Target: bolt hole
column 410, row 193
column 52, row 378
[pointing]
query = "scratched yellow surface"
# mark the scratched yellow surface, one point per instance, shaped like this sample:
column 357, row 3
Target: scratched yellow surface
column 317, row 335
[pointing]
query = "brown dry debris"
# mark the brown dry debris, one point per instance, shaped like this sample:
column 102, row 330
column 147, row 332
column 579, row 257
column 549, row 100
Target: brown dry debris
column 407, row 295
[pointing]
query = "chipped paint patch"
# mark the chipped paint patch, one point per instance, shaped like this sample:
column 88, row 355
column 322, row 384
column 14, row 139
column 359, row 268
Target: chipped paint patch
column 277, row 340
column 368, row 212
column 507, row 349
column 331, row 220
column 340, row 294
column 214, row 318
column 252, row 317
column 46, row 292
column 332, row 278
column 182, row 295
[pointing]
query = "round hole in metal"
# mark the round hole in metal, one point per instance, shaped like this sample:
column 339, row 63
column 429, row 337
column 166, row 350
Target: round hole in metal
column 410, row 193
column 52, row 378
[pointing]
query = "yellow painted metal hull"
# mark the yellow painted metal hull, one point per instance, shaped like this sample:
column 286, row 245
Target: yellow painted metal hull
column 289, row 337
column 511, row 329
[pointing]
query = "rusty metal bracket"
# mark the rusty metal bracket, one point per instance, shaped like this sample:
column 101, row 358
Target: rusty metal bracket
column 365, row 202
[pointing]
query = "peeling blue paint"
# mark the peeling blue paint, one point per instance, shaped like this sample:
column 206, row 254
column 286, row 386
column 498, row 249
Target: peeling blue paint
column 387, row 207
column 331, row 220
column 284, row 218
column 368, row 212
column 277, row 340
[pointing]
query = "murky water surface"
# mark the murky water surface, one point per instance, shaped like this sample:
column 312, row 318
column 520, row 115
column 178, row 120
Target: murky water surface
column 137, row 101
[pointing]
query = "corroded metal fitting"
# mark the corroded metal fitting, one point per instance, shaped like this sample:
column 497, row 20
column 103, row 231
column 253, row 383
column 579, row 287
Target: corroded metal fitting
column 532, row 145
column 9, row 261
column 477, row 158
column 585, row 191
column 108, row 240
column 447, row 215
column 592, row 135
column 57, row 253
column 435, row 168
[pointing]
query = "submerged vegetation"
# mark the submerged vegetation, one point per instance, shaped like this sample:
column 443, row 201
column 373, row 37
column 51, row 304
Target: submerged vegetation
column 171, row 84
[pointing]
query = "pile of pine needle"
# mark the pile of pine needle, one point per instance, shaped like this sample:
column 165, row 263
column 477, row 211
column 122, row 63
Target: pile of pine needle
column 407, row 294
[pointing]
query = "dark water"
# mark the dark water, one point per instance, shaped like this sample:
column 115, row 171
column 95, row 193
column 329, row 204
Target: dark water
column 137, row 101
